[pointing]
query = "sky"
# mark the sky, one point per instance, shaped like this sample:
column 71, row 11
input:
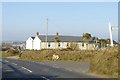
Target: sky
column 21, row 20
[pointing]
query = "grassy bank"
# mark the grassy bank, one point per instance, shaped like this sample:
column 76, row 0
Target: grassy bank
column 63, row 55
column 106, row 62
column 102, row 61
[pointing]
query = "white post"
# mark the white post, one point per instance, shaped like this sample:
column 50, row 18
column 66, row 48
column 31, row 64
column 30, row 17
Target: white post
column 46, row 32
column 110, row 30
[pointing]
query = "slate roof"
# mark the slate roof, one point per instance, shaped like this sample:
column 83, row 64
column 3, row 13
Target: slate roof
column 114, row 42
column 33, row 38
column 51, row 38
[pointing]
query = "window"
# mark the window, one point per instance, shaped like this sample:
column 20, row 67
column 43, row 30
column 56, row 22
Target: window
column 67, row 44
column 59, row 45
column 82, row 44
column 48, row 44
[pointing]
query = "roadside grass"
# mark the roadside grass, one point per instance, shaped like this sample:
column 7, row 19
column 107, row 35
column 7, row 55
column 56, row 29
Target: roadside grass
column 0, row 54
column 102, row 61
column 106, row 62
column 63, row 55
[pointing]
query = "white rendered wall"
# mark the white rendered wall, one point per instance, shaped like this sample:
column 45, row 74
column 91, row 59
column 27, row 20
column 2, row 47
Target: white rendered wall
column 36, row 43
column 29, row 43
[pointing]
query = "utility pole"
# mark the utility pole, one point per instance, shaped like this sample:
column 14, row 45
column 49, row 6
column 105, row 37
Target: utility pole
column 46, row 31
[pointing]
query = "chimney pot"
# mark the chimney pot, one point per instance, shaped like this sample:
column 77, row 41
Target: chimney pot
column 37, row 33
column 57, row 33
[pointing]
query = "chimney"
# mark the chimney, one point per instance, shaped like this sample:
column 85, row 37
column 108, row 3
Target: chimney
column 37, row 34
column 57, row 33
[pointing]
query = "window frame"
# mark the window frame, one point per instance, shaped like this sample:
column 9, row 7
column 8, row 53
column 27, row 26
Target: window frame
column 49, row 45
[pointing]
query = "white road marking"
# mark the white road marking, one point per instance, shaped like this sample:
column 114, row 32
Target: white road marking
column 9, row 70
column 14, row 63
column 27, row 69
column 45, row 78
column 38, row 62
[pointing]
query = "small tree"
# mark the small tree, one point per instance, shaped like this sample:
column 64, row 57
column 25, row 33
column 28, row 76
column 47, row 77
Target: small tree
column 108, row 40
column 86, row 37
column 103, row 42
column 19, row 51
column 95, row 39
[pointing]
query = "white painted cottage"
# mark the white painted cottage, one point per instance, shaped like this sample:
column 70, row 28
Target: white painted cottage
column 39, row 42
column 29, row 43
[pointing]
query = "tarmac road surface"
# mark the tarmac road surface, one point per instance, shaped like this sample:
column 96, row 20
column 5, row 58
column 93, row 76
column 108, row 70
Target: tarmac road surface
column 12, row 68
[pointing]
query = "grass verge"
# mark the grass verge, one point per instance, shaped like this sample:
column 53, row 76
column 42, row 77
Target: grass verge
column 102, row 61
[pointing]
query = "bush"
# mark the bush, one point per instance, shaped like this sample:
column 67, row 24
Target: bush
column 106, row 62
column 4, row 48
column 9, row 52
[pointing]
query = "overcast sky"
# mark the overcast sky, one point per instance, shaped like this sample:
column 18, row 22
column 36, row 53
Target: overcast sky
column 23, row 19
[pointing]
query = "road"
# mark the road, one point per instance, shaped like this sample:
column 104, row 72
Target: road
column 12, row 68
